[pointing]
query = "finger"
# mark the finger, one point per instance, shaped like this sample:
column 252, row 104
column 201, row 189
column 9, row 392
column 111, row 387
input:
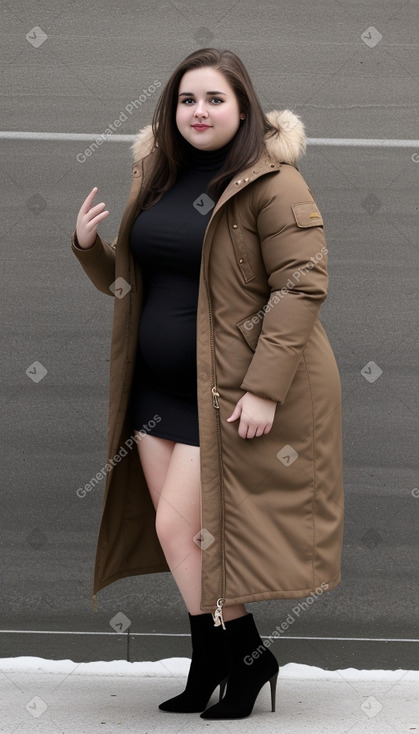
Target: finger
column 94, row 222
column 88, row 200
column 251, row 433
column 97, row 209
column 243, row 429
column 235, row 414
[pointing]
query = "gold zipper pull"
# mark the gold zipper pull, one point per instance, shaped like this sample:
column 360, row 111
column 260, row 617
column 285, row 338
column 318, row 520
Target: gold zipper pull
column 218, row 614
column 215, row 396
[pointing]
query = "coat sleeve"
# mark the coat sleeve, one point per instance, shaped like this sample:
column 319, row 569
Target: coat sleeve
column 98, row 262
column 294, row 253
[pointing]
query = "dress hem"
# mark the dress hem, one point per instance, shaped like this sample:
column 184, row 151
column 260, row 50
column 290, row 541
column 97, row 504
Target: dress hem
column 171, row 437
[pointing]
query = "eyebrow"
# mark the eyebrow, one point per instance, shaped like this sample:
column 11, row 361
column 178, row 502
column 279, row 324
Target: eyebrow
column 191, row 94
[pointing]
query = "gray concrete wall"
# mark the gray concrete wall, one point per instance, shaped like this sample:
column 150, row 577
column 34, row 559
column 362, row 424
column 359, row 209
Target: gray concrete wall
column 350, row 70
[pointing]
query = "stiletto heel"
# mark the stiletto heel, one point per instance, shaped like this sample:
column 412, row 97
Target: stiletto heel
column 252, row 665
column 223, row 684
column 273, row 682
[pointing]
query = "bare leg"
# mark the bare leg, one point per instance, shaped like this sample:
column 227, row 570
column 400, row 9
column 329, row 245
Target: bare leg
column 155, row 454
column 178, row 521
column 172, row 471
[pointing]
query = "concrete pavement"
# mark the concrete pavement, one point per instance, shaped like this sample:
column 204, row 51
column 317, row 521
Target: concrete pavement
column 62, row 697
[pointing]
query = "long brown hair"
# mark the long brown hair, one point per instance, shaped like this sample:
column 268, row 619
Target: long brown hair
column 248, row 143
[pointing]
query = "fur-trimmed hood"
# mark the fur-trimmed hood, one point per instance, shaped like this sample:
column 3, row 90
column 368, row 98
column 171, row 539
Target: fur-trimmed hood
column 286, row 146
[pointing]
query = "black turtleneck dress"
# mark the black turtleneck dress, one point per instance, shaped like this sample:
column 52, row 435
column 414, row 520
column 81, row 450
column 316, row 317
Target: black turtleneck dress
column 166, row 241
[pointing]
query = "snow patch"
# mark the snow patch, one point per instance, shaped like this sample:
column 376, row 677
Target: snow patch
column 179, row 667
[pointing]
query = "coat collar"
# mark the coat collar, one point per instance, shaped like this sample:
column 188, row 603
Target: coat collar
column 285, row 146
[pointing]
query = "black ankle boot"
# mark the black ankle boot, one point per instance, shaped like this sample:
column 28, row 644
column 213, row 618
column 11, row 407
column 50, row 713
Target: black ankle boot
column 248, row 673
column 209, row 667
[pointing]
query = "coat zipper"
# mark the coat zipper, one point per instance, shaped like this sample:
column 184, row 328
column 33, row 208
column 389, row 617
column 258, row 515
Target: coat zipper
column 218, row 613
column 215, row 396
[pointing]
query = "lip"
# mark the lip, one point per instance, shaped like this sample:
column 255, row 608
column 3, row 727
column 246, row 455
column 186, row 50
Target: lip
column 201, row 127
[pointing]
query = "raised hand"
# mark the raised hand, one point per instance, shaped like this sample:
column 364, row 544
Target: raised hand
column 88, row 219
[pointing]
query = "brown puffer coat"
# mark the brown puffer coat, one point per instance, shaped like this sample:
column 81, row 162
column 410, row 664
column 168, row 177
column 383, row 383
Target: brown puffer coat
column 272, row 506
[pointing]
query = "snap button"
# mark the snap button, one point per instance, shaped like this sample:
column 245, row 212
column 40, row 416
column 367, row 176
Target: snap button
column 246, row 179
column 241, row 260
column 238, row 182
column 234, row 226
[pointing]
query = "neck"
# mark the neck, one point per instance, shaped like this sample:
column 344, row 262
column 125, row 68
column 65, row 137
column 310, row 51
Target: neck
column 203, row 159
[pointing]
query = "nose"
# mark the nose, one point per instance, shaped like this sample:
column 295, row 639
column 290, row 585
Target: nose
column 200, row 109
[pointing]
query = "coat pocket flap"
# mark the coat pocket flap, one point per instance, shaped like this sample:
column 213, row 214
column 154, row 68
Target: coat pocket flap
column 251, row 327
column 307, row 214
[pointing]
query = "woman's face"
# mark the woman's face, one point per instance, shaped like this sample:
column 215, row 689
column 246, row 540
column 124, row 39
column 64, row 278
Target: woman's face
column 207, row 113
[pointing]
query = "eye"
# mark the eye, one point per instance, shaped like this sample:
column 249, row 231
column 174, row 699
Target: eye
column 214, row 100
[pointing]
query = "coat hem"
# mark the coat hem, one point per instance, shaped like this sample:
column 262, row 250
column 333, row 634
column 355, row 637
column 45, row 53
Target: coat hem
column 277, row 595
column 126, row 574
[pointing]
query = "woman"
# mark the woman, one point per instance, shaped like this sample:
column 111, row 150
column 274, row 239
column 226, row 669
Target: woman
column 221, row 375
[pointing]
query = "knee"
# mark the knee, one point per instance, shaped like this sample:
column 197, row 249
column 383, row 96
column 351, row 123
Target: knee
column 175, row 533
column 167, row 528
